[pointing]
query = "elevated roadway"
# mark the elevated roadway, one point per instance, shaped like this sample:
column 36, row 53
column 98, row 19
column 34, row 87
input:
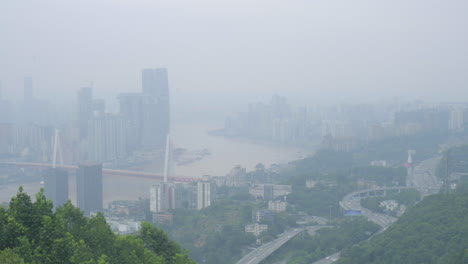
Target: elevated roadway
column 423, row 179
column 261, row 253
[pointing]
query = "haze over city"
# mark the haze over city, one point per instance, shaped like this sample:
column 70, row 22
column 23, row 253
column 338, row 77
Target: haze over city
column 233, row 132
column 222, row 53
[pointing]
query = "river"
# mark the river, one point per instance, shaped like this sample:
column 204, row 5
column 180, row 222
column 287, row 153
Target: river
column 225, row 153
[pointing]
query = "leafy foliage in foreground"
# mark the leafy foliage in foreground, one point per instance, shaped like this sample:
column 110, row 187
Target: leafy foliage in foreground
column 30, row 232
column 214, row 234
column 434, row 231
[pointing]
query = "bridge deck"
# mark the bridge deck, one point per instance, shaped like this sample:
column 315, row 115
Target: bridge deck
column 107, row 172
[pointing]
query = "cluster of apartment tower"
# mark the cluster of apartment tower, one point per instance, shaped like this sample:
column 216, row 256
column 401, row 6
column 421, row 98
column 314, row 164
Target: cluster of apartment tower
column 89, row 187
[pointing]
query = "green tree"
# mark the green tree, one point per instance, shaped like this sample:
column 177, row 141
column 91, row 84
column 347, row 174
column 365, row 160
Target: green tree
column 34, row 233
column 8, row 256
column 157, row 241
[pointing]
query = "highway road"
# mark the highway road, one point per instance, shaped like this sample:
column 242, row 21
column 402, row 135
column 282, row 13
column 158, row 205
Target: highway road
column 424, row 180
column 329, row 259
column 261, row 253
column 350, row 203
column 424, row 177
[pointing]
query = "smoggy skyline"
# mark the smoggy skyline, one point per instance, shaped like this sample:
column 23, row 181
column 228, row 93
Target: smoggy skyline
column 222, row 53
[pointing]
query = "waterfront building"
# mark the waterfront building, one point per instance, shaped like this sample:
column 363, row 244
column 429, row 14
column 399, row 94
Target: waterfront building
column 131, row 110
column 89, row 188
column 85, row 110
column 156, row 118
column 147, row 114
column 56, row 186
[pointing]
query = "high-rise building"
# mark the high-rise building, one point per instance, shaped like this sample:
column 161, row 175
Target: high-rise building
column 85, row 110
column 6, row 137
column 156, row 199
column 6, row 110
column 162, row 197
column 28, row 89
column 131, row 109
column 456, row 119
column 204, row 194
column 144, row 121
column 147, row 114
column 28, row 111
column 185, row 196
column 56, row 186
column 89, row 188
column 155, row 84
column 153, row 135
column 106, row 138
column 99, row 107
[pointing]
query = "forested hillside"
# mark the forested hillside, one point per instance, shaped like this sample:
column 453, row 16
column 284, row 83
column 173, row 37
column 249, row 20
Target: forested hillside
column 434, row 231
column 31, row 232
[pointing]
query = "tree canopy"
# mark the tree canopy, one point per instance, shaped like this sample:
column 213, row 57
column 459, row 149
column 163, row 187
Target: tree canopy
column 32, row 233
column 434, row 231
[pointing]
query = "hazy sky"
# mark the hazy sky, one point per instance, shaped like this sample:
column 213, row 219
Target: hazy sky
column 224, row 52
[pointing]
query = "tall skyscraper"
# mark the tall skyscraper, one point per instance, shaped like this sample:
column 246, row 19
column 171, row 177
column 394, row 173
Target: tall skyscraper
column 147, row 114
column 56, row 186
column 89, row 188
column 85, row 110
column 28, row 89
column 106, row 138
column 153, row 135
column 157, row 113
column 131, row 109
column 155, row 82
column 6, row 111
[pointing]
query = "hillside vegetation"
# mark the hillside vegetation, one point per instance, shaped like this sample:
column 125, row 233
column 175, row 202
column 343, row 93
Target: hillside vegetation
column 434, row 231
column 31, row 232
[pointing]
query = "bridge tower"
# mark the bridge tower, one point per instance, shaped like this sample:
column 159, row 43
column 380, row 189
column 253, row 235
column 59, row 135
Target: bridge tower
column 410, row 168
column 57, row 149
column 168, row 159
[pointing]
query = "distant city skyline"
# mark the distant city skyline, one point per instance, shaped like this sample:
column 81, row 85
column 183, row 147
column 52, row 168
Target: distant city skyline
column 223, row 54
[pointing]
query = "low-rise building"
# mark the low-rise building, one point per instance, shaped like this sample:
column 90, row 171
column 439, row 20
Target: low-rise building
column 269, row 191
column 256, row 228
column 390, row 205
column 277, row 206
column 310, row 183
column 262, row 216
column 379, row 163
column 123, row 226
column 163, row 218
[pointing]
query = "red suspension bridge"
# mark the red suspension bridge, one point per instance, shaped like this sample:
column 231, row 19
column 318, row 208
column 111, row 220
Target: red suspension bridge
column 105, row 172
